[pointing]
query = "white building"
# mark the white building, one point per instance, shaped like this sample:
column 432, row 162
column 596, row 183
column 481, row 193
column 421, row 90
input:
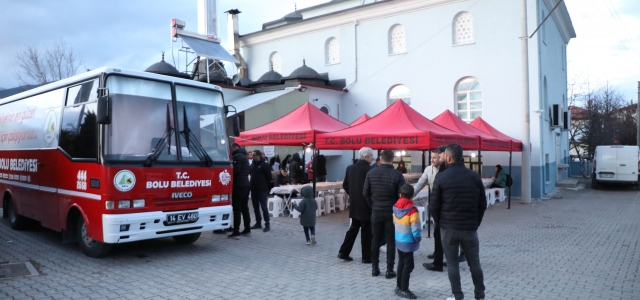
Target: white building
column 460, row 55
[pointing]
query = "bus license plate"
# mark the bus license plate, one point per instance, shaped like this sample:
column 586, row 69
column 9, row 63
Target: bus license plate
column 182, row 218
column 606, row 175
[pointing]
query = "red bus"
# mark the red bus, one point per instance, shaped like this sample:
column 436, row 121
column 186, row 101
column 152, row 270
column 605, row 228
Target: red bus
column 115, row 156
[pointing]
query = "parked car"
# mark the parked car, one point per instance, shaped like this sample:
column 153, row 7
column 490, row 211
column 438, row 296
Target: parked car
column 616, row 164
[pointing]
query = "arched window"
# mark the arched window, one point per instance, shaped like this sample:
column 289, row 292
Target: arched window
column 397, row 41
column 331, row 51
column 469, row 98
column 325, row 109
column 274, row 62
column 398, row 92
column 463, row 29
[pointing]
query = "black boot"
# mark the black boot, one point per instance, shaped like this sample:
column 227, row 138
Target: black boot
column 390, row 274
column 257, row 226
column 375, row 271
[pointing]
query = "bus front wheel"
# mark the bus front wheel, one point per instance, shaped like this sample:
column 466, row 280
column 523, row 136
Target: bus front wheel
column 90, row 247
column 16, row 221
column 186, row 239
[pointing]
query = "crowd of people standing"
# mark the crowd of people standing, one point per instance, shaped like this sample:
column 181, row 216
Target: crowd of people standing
column 381, row 206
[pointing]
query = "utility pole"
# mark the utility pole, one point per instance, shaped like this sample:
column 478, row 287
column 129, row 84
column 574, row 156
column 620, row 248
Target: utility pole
column 638, row 118
column 526, row 130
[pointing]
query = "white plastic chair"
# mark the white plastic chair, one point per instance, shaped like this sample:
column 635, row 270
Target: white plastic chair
column 275, row 206
column 294, row 212
column 500, row 194
column 340, row 205
column 320, row 201
column 491, row 198
column 423, row 216
column 329, row 204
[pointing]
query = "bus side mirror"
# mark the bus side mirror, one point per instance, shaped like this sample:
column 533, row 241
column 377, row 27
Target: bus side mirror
column 104, row 110
column 236, row 125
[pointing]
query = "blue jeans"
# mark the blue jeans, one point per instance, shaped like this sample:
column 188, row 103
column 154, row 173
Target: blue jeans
column 259, row 199
column 468, row 241
column 307, row 229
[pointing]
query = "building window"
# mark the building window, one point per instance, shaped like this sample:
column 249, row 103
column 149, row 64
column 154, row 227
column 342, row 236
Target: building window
column 463, row 29
column 399, row 92
column 397, row 41
column 325, row 109
column 545, row 99
column 469, row 99
column 274, row 62
column 332, row 51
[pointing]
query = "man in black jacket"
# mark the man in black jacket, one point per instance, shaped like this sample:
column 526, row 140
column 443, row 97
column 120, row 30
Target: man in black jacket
column 381, row 191
column 359, row 211
column 260, row 179
column 240, row 194
column 457, row 205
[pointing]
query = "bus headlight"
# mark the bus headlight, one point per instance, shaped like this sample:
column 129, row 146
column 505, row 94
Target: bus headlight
column 109, row 205
column 224, row 197
column 138, row 203
column 215, row 198
column 124, row 204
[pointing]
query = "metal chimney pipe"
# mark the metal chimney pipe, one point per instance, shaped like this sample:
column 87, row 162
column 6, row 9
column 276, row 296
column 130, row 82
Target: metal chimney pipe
column 207, row 17
column 233, row 36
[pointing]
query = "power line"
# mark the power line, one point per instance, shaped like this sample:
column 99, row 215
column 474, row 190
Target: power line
column 624, row 28
column 621, row 46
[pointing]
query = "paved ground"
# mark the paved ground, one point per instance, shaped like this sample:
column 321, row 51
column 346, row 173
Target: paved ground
column 583, row 244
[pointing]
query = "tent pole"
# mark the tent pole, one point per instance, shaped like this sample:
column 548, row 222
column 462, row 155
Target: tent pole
column 423, row 160
column 428, row 198
column 480, row 162
column 509, row 205
column 313, row 166
column 354, row 156
column 304, row 163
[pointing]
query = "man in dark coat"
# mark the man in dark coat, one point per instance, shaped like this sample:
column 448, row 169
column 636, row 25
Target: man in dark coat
column 381, row 191
column 359, row 211
column 240, row 193
column 260, row 179
column 457, row 205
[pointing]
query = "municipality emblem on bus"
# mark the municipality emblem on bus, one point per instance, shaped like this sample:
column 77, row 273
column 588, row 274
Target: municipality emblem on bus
column 225, row 177
column 124, row 180
column 50, row 128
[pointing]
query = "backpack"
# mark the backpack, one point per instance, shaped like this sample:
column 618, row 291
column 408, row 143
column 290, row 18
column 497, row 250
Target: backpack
column 509, row 180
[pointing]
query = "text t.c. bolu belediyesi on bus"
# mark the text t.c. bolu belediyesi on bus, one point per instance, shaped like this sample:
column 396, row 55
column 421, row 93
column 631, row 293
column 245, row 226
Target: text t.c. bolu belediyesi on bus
column 114, row 156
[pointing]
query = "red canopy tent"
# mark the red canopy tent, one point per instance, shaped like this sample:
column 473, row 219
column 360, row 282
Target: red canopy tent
column 397, row 127
column 482, row 125
column 488, row 142
column 295, row 128
column 360, row 120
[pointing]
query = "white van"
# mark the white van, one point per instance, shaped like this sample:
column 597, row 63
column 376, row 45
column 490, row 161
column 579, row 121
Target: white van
column 616, row 164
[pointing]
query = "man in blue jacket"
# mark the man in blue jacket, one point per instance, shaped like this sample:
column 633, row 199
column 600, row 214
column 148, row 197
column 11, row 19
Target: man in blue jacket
column 457, row 205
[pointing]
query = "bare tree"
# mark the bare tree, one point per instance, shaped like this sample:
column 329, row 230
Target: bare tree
column 604, row 121
column 51, row 64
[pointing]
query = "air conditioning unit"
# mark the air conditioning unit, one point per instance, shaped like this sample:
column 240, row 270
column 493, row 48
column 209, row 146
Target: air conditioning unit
column 566, row 124
column 556, row 115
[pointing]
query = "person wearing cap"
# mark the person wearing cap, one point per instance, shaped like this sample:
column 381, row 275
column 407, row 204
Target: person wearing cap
column 427, row 178
column 458, row 204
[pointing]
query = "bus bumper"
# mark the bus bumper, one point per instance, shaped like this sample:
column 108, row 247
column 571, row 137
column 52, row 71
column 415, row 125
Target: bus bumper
column 151, row 225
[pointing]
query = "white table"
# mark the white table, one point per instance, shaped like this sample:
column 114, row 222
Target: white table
column 422, row 198
column 287, row 190
column 411, row 176
column 487, row 182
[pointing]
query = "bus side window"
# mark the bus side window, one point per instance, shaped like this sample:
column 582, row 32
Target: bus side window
column 87, row 91
column 79, row 134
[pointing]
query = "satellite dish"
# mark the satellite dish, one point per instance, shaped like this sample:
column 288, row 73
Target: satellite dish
column 235, row 79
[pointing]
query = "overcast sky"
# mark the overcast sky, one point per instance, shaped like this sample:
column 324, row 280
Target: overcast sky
column 132, row 34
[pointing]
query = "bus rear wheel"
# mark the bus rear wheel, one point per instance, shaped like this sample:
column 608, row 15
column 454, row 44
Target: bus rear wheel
column 186, row 239
column 90, row 247
column 16, row 221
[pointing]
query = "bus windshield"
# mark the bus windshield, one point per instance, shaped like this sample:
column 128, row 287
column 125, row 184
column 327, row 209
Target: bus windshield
column 143, row 123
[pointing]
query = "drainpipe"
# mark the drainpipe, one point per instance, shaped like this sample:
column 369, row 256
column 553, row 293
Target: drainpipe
column 355, row 50
column 234, row 38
